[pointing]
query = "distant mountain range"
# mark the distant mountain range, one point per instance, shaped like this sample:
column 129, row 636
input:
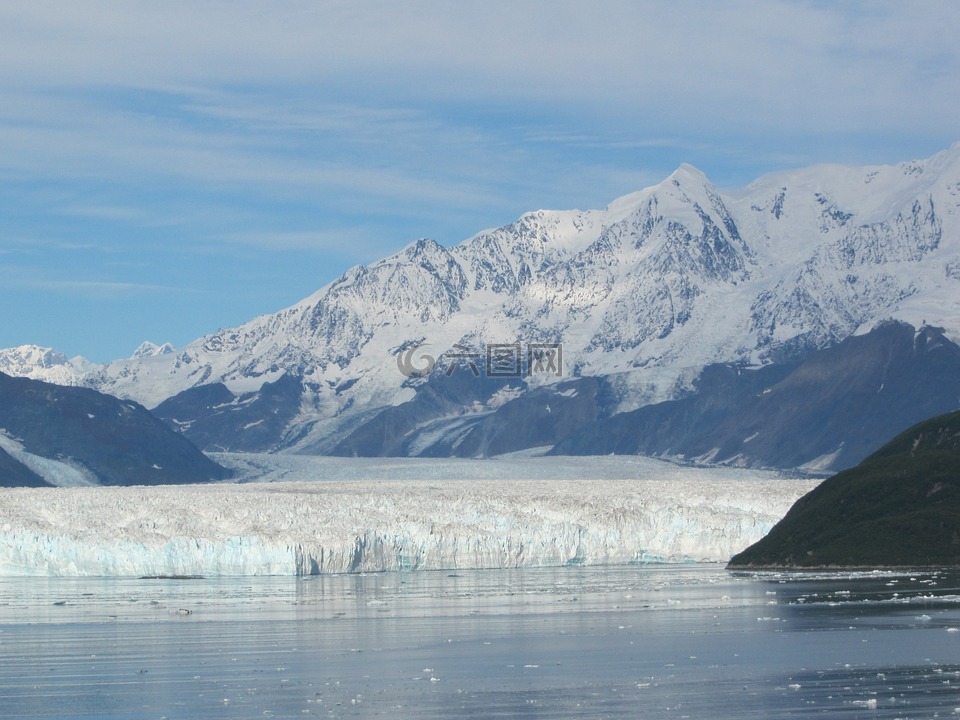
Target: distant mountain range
column 685, row 320
column 39, row 363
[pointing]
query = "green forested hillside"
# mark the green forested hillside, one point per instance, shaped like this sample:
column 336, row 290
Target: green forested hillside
column 900, row 506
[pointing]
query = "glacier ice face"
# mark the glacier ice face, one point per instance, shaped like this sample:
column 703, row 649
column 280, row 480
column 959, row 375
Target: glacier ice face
column 299, row 528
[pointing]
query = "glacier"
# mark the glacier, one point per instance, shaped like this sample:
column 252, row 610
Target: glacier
column 396, row 519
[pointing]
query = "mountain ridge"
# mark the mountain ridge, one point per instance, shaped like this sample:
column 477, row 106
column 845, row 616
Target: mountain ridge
column 645, row 292
column 827, row 411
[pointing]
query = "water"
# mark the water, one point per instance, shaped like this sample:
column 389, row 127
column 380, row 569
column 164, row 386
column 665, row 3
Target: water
column 576, row 642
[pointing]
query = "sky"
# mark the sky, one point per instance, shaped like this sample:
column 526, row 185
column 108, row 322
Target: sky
column 169, row 169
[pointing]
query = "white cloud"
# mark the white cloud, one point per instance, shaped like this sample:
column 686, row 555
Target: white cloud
column 239, row 92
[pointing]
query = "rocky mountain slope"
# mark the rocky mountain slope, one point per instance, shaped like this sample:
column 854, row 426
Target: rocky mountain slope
column 900, row 506
column 829, row 410
column 640, row 296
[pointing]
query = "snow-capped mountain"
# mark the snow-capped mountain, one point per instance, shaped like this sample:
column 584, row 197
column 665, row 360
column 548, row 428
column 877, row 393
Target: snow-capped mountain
column 644, row 293
column 149, row 349
column 40, row 363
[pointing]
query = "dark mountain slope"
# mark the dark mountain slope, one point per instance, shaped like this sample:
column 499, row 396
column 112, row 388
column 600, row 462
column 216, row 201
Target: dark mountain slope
column 900, row 506
column 117, row 441
column 14, row 473
column 439, row 401
column 830, row 410
column 215, row 419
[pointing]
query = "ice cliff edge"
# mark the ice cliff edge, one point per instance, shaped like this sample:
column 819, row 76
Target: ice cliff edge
column 358, row 526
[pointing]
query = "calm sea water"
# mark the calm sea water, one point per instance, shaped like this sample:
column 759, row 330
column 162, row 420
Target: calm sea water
column 623, row 642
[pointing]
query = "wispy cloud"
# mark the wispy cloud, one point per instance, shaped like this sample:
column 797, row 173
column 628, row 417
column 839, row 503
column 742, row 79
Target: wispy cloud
column 783, row 61
column 32, row 277
column 103, row 286
column 360, row 240
column 438, row 104
column 104, row 141
column 104, row 212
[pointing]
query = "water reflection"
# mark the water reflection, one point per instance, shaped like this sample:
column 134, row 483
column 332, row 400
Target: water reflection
column 678, row 641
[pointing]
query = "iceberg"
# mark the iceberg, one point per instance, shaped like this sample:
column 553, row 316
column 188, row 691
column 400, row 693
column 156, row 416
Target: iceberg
column 342, row 526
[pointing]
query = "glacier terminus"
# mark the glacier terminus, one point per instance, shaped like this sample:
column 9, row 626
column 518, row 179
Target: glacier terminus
column 301, row 525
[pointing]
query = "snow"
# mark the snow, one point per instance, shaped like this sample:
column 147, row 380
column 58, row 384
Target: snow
column 822, row 463
column 422, row 519
column 60, row 473
column 149, row 349
column 43, row 363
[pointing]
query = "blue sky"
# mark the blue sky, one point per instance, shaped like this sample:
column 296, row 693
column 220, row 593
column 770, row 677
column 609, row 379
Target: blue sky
column 167, row 169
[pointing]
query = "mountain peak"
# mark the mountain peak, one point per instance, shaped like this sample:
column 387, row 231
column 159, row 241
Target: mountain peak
column 149, row 349
column 43, row 363
column 420, row 247
column 42, row 357
column 687, row 173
